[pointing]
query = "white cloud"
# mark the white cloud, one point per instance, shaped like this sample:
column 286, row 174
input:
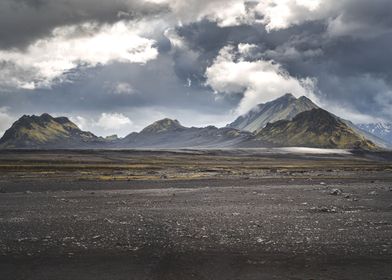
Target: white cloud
column 5, row 120
column 175, row 40
column 48, row 59
column 280, row 14
column 224, row 12
column 351, row 114
column 81, row 122
column 246, row 49
column 105, row 124
column 124, row 88
column 119, row 88
column 276, row 14
column 233, row 15
column 113, row 121
column 259, row 81
column 340, row 15
column 140, row 117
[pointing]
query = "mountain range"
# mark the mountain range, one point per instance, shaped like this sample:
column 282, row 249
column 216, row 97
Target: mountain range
column 286, row 121
column 382, row 130
column 169, row 133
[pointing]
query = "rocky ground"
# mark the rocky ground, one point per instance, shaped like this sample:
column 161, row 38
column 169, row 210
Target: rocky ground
column 324, row 217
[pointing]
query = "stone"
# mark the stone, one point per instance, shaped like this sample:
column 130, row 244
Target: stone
column 335, row 192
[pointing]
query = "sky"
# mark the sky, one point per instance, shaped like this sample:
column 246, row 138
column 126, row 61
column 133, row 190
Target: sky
column 116, row 66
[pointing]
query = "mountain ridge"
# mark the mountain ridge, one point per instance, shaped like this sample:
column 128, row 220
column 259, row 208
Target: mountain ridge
column 310, row 128
column 382, row 130
column 168, row 133
column 285, row 107
column 162, row 125
column 45, row 131
column 316, row 128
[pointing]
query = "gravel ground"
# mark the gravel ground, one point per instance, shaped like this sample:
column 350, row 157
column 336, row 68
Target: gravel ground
column 239, row 228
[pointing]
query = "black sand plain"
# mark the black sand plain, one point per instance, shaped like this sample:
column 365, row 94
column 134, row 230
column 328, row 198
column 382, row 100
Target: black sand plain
column 195, row 214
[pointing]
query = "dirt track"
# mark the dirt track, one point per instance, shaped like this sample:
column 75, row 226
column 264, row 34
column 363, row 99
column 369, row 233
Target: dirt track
column 320, row 223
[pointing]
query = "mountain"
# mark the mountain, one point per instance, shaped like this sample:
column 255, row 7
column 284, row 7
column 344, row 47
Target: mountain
column 310, row 128
column 46, row 131
column 165, row 125
column 169, row 133
column 316, row 128
column 283, row 108
column 382, row 130
column 366, row 134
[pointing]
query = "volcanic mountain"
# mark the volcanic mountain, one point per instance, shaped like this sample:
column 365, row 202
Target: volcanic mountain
column 283, row 108
column 45, row 132
column 169, row 133
column 316, row 128
column 312, row 127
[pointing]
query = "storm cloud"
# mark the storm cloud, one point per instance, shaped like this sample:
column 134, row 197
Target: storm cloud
column 203, row 62
column 24, row 21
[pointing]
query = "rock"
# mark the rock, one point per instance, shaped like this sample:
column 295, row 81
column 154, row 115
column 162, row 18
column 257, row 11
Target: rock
column 164, row 176
column 335, row 192
column 325, row 209
column 373, row 193
column 108, row 221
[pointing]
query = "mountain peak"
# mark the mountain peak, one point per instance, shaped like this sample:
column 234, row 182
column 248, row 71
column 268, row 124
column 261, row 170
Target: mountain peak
column 287, row 96
column 285, row 107
column 46, row 116
column 163, row 125
column 315, row 128
column 303, row 97
column 44, row 131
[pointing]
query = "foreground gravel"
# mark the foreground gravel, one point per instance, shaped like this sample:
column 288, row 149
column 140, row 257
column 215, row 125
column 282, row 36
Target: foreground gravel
column 195, row 214
column 220, row 229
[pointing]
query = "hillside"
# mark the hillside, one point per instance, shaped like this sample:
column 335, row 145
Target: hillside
column 168, row 133
column 382, row 130
column 315, row 128
column 46, row 131
column 283, row 108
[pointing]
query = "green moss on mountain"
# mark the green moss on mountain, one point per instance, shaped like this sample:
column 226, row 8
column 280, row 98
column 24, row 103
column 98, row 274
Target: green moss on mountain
column 315, row 128
column 45, row 131
column 163, row 126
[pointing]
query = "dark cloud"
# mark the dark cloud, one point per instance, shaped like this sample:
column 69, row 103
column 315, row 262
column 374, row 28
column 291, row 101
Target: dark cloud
column 23, row 21
column 94, row 90
column 347, row 51
column 351, row 70
column 364, row 18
